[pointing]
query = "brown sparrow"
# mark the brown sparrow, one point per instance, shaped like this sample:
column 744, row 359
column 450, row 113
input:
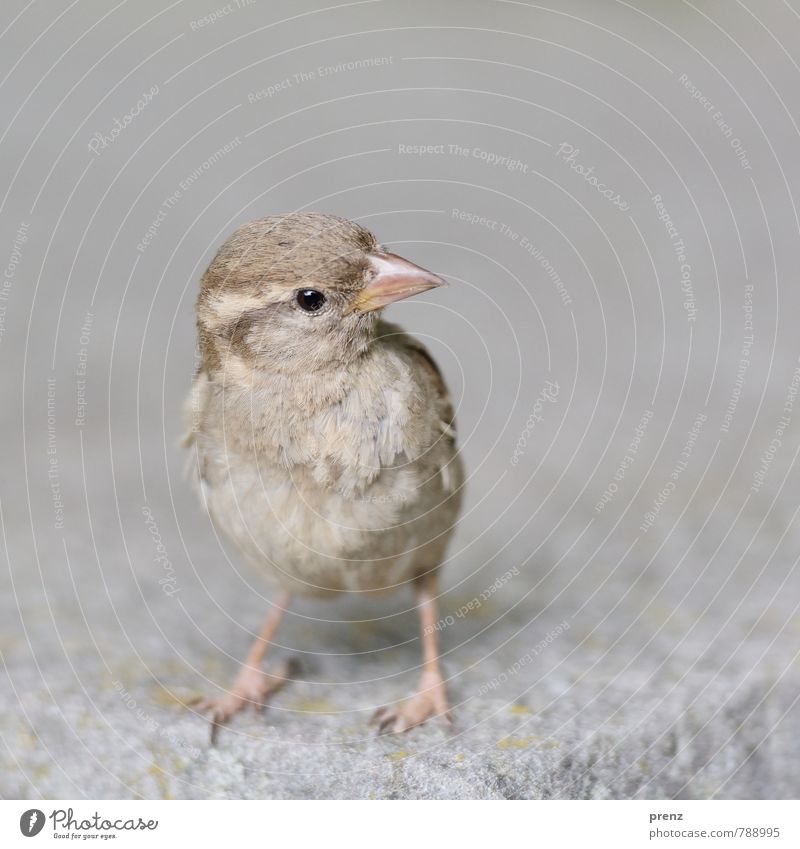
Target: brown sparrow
column 323, row 435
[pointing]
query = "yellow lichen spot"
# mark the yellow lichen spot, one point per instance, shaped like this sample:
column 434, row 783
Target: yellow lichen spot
column 40, row 773
column 28, row 738
column 161, row 696
column 399, row 755
column 459, row 757
column 85, row 720
column 313, row 706
column 519, row 709
column 524, row 742
column 160, row 776
column 512, row 743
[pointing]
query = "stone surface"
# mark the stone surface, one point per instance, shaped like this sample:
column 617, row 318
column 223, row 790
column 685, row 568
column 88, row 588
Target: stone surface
column 639, row 645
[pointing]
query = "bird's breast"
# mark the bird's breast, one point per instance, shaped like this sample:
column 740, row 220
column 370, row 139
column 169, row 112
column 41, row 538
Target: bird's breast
column 337, row 488
column 316, row 538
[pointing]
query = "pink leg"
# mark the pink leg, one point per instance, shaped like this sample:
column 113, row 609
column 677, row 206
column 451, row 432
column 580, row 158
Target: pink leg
column 431, row 698
column 252, row 686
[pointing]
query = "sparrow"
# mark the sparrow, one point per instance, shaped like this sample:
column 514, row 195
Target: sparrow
column 323, row 436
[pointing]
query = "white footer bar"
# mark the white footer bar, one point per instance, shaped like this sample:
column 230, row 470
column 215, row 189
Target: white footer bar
column 389, row 824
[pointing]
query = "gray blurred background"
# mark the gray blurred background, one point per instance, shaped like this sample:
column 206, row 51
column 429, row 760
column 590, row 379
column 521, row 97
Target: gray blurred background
column 612, row 189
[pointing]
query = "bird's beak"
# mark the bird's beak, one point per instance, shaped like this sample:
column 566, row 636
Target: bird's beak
column 393, row 278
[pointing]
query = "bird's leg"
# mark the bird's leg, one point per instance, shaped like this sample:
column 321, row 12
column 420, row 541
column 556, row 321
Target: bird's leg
column 431, row 697
column 252, row 686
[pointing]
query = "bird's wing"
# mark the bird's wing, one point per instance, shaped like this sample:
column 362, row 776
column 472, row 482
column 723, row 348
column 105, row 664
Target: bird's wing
column 450, row 463
column 190, row 405
column 444, row 404
column 193, row 409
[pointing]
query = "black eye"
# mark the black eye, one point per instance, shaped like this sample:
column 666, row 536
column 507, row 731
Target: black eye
column 310, row 299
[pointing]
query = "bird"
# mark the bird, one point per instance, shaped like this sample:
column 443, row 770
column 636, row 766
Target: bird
column 322, row 436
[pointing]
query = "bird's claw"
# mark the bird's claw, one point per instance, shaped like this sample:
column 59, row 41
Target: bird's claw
column 426, row 703
column 253, row 687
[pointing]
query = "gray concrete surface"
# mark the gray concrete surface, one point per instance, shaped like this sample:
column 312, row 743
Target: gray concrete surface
column 642, row 645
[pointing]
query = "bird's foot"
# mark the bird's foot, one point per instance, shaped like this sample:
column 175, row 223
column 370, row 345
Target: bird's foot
column 252, row 687
column 431, row 700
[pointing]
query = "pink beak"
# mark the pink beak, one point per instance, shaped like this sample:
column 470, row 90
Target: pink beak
column 393, row 278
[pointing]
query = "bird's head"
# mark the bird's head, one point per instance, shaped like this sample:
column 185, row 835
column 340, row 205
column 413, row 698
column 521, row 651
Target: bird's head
column 299, row 292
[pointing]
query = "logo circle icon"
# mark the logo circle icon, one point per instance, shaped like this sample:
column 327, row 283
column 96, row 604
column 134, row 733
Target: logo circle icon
column 31, row 822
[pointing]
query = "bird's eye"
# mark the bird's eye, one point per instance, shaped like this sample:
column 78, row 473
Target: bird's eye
column 310, row 300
